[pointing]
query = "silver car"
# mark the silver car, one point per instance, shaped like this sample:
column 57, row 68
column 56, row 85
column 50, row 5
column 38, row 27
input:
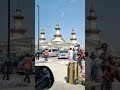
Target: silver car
column 63, row 54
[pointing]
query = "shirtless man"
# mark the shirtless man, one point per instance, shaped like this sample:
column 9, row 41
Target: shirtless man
column 27, row 66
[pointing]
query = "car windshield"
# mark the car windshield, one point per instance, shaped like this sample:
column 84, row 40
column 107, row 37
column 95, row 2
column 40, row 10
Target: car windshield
column 63, row 51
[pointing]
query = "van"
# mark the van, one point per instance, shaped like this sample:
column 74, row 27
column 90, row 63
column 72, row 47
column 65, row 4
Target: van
column 53, row 52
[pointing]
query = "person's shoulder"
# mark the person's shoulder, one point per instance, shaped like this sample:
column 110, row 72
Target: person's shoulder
column 28, row 58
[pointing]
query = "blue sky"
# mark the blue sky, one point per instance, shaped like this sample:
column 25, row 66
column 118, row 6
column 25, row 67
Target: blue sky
column 69, row 13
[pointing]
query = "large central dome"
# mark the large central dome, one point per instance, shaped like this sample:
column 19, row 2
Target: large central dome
column 57, row 36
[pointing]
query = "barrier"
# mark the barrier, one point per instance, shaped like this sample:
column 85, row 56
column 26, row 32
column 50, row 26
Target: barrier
column 73, row 72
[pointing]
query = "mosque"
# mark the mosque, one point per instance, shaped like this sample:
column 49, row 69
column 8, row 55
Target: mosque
column 58, row 41
column 21, row 42
column 93, row 39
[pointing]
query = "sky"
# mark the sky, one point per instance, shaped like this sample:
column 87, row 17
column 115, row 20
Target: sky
column 69, row 14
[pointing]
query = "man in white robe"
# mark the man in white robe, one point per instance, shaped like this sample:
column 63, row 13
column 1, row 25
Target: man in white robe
column 70, row 54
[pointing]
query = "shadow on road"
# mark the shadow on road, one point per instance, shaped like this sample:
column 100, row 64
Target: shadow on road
column 66, row 79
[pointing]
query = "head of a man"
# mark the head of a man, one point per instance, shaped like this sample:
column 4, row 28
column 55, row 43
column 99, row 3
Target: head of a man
column 104, row 46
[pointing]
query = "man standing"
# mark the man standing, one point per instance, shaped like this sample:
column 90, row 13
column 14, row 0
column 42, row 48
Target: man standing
column 46, row 55
column 27, row 66
column 70, row 54
column 7, row 69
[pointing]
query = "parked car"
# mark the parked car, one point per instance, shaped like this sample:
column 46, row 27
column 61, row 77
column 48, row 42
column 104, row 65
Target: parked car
column 63, row 54
column 44, row 78
column 52, row 52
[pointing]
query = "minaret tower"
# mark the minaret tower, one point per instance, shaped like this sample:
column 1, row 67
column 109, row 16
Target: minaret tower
column 57, row 36
column 92, row 32
column 42, row 36
column 73, row 39
column 18, row 31
column 57, row 28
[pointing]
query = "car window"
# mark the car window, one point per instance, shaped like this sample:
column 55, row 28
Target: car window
column 49, row 50
column 63, row 51
column 54, row 50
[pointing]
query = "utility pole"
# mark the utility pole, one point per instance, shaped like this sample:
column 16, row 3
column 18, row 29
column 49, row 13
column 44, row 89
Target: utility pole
column 38, row 30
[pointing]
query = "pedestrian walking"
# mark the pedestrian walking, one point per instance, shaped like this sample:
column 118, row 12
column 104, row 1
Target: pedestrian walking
column 7, row 67
column 27, row 65
column 70, row 54
column 46, row 55
column 79, row 55
column 74, row 54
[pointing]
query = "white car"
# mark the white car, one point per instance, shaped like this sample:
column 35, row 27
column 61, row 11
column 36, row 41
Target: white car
column 63, row 54
column 53, row 52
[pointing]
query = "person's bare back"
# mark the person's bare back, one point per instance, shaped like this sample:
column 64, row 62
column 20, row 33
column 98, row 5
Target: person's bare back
column 27, row 63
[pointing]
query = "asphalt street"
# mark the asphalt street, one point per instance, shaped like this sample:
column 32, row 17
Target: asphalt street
column 59, row 69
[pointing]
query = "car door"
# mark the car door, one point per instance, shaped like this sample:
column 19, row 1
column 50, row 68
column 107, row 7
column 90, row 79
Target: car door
column 50, row 52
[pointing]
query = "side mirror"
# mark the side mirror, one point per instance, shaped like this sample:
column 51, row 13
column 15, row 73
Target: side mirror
column 44, row 78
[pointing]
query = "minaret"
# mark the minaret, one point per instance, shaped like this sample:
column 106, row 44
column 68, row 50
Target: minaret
column 18, row 31
column 42, row 36
column 92, row 32
column 73, row 39
column 57, row 28
column 57, row 36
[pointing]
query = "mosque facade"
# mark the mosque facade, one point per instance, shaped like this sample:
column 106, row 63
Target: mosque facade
column 58, row 41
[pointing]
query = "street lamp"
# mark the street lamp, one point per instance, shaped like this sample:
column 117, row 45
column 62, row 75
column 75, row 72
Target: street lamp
column 38, row 30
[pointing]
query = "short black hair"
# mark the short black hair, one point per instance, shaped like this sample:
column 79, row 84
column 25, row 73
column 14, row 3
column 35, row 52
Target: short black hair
column 104, row 44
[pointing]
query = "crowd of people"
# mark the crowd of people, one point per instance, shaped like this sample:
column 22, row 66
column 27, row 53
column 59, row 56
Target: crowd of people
column 100, row 66
column 79, row 56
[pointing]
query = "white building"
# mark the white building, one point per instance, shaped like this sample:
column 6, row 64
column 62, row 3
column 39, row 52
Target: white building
column 58, row 41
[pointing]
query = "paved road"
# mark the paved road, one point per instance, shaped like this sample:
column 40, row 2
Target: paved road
column 16, row 83
column 59, row 69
